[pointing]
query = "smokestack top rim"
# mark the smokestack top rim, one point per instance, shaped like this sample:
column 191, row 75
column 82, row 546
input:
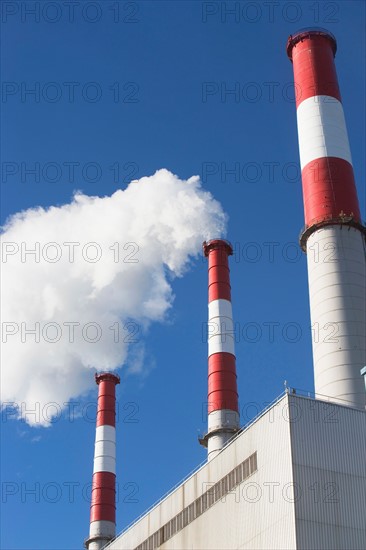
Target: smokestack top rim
column 307, row 32
column 216, row 244
column 106, row 376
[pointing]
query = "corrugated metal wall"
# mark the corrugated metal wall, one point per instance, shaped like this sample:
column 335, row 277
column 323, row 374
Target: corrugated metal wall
column 310, row 466
column 253, row 516
column 328, row 444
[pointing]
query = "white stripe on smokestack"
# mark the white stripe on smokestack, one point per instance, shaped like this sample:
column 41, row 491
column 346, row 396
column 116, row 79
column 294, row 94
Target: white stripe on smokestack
column 322, row 130
column 103, row 500
column 223, row 411
column 105, row 449
column 333, row 237
column 220, row 327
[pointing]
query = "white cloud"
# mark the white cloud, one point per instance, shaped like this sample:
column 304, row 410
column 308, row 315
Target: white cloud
column 100, row 275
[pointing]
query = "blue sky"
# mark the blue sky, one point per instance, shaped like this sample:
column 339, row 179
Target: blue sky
column 152, row 84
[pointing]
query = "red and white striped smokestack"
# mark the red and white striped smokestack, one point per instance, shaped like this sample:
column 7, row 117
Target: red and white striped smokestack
column 103, row 498
column 333, row 237
column 223, row 411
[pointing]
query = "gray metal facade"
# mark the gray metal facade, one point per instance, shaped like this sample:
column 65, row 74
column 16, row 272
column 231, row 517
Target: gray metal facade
column 305, row 489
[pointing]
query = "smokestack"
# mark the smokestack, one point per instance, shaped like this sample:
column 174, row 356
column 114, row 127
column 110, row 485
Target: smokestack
column 223, row 411
column 103, row 499
column 333, row 237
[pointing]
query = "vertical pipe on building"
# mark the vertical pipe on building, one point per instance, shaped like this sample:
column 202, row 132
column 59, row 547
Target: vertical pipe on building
column 103, row 498
column 333, row 237
column 223, row 411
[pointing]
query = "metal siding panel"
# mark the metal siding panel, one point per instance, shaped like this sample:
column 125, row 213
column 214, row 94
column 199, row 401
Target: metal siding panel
column 328, row 452
column 322, row 435
column 241, row 520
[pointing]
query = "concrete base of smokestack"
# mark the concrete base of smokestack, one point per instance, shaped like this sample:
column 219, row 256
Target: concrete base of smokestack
column 337, row 289
column 223, row 424
column 101, row 532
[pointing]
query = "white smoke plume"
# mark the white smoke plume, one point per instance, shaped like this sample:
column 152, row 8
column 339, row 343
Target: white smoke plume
column 83, row 281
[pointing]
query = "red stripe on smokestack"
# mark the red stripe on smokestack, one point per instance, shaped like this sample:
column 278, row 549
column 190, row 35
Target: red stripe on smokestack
column 218, row 269
column 333, row 236
column 106, row 414
column 222, row 386
column 314, row 70
column 325, row 193
column 223, row 408
column 103, row 498
column 103, row 501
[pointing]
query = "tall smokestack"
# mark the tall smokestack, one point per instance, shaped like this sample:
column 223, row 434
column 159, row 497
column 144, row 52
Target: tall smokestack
column 103, row 499
column 223, row 411
column 333, row 237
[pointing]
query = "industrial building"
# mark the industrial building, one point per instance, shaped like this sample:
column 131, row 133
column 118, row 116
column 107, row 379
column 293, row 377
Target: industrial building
column 295, row 476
